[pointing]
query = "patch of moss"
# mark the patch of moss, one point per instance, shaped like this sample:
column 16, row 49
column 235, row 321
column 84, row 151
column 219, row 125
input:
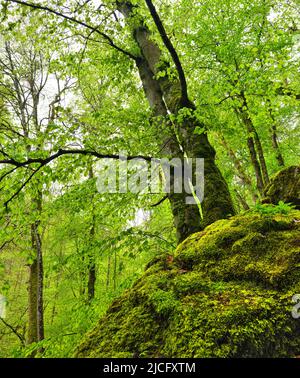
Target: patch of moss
column 285, row 187
column 226, row 292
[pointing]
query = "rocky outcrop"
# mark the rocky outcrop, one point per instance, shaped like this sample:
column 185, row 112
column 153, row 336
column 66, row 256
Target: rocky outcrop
column 285, row 187
column 225, row 292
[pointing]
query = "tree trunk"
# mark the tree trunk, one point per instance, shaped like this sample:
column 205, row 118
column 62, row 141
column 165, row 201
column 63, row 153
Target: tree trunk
column 91, row 257
column 91, row 282
column 115, row 271
column 36, row 283
column 242, row 200
column 243, row 116
column 32, row 335
column 40, row 287
column 276, row 148
column 261, row 156
column 256, row 165
column 108, row 272
column 178, row 139
column 239, row 168
column 252, row 131
column 274, row 137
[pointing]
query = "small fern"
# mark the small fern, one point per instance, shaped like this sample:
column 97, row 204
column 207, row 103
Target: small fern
column 280, row 208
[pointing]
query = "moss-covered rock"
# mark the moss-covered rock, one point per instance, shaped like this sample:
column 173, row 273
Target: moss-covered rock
column 225, row 292
column 285, row 187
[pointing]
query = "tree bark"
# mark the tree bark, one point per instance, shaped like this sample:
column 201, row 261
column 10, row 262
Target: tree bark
column 32, row 335
column 256, row 165
column 276, row 148
column 115, row 271
column 243, row 116
column 25, row 106
column 244, row 111
column 108, row 272
column 91, row 257
column 91, row 282
column 164, row 98
column 274, row 137
column 36, row 283
column 242, row 200
column 40, row 287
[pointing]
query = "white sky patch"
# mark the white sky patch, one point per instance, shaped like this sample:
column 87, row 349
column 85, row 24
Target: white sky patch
column 2, row 306
column 141, row 217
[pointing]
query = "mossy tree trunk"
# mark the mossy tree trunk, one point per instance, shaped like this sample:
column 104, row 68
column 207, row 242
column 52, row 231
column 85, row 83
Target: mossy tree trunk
column 177, row 139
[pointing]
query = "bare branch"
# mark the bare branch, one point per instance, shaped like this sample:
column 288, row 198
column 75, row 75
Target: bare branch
column 22, row 186
column 14, row 330
column 160, row 201
column 62, row 152
column 5, row 244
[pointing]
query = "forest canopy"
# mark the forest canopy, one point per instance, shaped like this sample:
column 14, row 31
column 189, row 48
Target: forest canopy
column 85, row 83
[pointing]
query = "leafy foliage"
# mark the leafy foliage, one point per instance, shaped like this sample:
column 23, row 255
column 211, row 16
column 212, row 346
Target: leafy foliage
column 73, row 84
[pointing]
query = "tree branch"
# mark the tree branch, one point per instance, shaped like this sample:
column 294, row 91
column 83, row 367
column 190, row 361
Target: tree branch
column 287, row 92
column 19, row 336
column 218, row 103
column 60, row 152
column 160, row 201
column 172, row 51
column 78, row 22
column 22, row 186
column 5, row 244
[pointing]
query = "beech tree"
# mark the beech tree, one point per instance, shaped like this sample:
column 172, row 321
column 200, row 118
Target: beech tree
column 82, row 82
column 173, row 113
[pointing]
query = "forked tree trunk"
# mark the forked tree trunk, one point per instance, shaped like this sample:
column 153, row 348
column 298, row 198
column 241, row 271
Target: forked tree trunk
column 245, row 116
column 178, row 139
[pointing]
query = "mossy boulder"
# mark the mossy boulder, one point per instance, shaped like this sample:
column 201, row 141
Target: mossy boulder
column 285, row 187
column 225, row 292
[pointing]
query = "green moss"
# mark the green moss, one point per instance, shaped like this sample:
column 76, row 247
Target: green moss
column 285, row 187
column 226, row 292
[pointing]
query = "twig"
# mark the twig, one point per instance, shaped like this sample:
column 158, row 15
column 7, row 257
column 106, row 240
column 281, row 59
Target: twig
column 160, row 201
column 19, row 336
